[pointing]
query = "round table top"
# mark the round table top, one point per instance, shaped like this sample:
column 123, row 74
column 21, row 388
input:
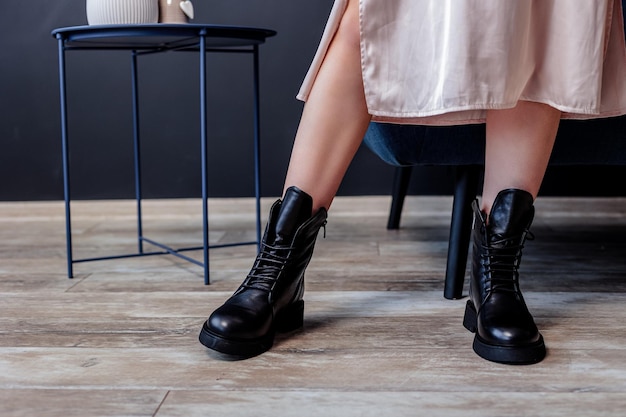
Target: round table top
column 159, row 36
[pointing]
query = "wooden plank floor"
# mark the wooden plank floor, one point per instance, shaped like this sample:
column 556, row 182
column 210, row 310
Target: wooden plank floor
column 120, row 339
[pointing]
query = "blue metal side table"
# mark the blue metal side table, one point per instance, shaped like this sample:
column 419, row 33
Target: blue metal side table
column 149, row 39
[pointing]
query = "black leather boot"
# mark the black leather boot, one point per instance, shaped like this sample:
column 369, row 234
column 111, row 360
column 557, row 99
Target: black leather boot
column 496, row 312
column 270, row 298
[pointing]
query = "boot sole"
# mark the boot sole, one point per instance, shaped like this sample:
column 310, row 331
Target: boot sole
column 510, row 355
column 288, row 319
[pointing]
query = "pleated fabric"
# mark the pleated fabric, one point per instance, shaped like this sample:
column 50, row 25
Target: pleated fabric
column 442, row 62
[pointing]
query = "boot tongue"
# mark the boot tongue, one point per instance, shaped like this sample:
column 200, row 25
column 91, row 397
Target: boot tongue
column 511, row 213
column 296, row 208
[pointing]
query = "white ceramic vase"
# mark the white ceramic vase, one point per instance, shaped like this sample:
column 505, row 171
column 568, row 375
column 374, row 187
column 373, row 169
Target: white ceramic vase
column 114, row 12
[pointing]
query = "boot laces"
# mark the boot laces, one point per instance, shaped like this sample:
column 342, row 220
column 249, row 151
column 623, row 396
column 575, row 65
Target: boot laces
column 502, row 260
column 270, row 261
column 269, row 264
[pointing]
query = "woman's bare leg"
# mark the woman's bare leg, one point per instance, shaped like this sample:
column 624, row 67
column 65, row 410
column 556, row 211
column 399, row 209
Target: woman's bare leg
column 518, row 147
column 334, row 119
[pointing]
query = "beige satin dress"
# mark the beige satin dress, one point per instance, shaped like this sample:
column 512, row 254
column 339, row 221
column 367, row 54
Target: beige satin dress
column 441, row 62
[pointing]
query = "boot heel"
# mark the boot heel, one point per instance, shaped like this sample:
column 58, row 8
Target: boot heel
column 470, row 320
column 290, row 318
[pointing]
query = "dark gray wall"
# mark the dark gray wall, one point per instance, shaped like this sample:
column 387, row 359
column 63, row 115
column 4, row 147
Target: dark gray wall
column 100, row 114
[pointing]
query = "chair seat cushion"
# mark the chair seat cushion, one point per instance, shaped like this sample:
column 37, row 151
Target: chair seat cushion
column 579, row 142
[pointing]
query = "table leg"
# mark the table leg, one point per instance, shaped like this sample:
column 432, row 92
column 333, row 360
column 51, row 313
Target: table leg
column 203, row 155
column 137, row 150
column 66, row 157
column 257, row 147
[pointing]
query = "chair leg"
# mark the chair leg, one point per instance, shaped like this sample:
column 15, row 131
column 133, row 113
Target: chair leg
column 400, row 187
column 465, row 190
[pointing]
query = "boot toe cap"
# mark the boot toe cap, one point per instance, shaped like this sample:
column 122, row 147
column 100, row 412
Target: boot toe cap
column 508, row 335
column 234, row 322
column 507, row 328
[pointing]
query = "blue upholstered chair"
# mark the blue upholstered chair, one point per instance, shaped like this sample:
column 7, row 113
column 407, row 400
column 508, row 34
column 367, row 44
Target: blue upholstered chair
column 588, row 142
